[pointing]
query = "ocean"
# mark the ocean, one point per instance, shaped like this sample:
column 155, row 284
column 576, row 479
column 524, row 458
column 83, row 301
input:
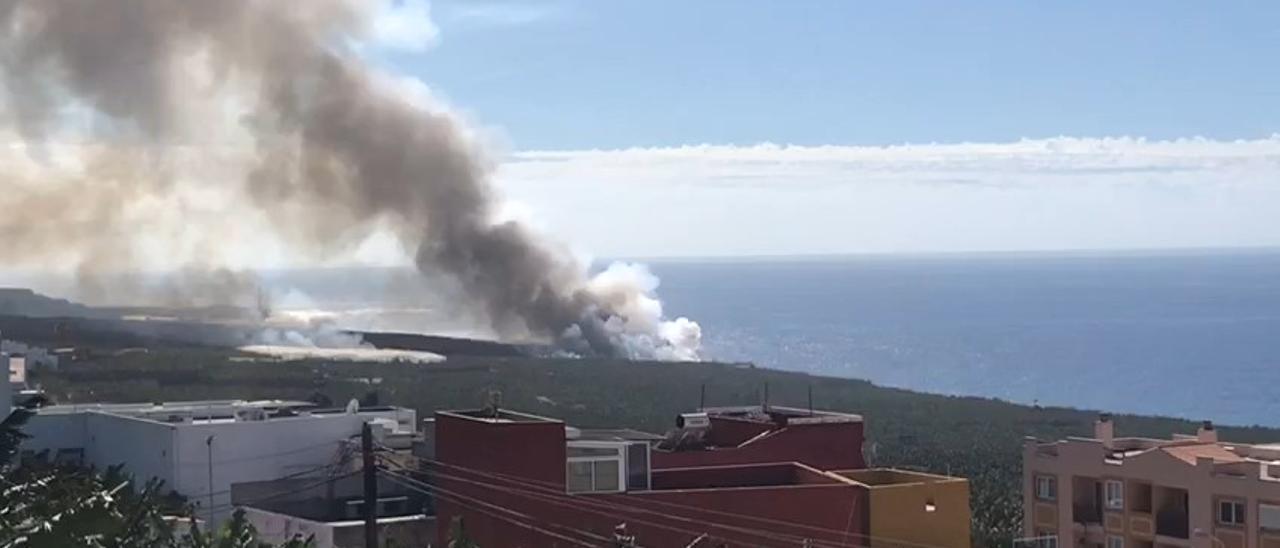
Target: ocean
column 1194, row 335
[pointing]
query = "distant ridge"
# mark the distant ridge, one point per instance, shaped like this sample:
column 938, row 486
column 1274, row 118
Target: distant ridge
column 17, row 301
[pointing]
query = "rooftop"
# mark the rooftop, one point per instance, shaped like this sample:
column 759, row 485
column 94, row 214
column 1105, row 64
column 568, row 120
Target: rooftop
column 742, row 476
column 208, row 411
column 1226, row 457
column 780, row 414
column 610, row 434
column 1188, row 453
column 874, row 478
column 496, row 416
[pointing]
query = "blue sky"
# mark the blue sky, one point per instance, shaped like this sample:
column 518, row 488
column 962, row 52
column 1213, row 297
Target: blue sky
column 716, row 127
column 612, row 74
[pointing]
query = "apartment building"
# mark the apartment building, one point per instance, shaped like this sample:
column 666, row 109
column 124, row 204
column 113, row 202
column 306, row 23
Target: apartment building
column 1127, row 492
column 725, row 477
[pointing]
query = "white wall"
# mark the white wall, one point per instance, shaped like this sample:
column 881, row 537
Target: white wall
column 144, row 447
column 55, row 431
column 255, row 451
column 177, row 453
column 279, row 528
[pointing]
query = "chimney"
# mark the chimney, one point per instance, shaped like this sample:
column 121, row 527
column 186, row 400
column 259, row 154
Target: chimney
column 1104, row 430
column 1206, row 433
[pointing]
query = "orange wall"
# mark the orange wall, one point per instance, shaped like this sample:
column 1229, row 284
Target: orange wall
column 898, row 514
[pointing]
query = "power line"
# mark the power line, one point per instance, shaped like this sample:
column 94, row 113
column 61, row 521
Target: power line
column 286, row 477
column 335, row 444
column 554, row 489
column 610, row 511
column 569, row 502
column 436, row 491
column 274, row 496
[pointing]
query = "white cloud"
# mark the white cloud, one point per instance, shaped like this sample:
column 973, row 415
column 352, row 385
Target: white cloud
column 490, row 13
column 1063, row 193
column 404, row 25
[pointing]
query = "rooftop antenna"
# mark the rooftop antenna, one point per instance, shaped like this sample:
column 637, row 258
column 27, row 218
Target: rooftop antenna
column 495, row 402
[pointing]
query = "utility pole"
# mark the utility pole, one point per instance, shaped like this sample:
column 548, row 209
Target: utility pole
column 209, row 442
column 370, row 488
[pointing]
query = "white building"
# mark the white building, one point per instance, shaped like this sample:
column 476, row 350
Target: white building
column 204, row 447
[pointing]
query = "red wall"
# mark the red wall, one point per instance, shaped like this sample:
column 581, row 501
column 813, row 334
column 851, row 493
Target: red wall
column 498, row 513
column 507, row 482
column 829, row 446
column 530, row 450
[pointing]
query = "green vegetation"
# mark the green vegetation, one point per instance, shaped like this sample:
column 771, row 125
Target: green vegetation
column 972, row 437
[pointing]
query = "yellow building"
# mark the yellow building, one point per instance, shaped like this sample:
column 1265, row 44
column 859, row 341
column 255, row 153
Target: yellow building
column 912, row 508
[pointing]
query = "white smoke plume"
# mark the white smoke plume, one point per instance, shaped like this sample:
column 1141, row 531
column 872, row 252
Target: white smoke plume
column 334, row 151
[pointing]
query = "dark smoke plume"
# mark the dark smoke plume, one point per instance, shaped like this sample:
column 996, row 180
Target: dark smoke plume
column 338, row 152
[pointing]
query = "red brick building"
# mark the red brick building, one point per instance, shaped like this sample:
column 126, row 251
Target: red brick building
column 730, row 477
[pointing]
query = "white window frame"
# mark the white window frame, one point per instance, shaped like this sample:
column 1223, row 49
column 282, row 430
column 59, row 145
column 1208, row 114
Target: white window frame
column 1044, row 539
column 1046, row 487
column 619, row 457
column 1274, row 509
column 1237, row 512
column 1114, row 495
column 1115, row 541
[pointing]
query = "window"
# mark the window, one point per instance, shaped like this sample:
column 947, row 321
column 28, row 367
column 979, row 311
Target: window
column 1115, row 541
column 1269, row 516
column 1046, row 488
column 595, row 467
column 1115, row 495
column 593, row 475
column 1231, row 512
column 1045, row 538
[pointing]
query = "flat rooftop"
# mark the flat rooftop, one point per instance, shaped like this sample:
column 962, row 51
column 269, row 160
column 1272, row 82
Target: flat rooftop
column 194, row 406
column 874, row 478
column 777, row 414
column 610, row 434
column 497, row 416
column 210, row 411
column 742, row 476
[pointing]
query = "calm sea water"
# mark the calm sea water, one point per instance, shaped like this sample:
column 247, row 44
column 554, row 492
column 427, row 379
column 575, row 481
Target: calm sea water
column 1193, row 335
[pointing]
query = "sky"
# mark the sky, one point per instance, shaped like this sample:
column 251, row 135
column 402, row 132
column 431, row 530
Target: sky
column 561, row 74
column 722, row 128
column 716, row 128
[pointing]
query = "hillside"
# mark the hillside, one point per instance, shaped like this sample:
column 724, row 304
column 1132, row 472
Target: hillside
column 973, row 437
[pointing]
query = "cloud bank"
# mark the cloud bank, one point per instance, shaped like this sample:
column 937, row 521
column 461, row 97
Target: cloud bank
column 1033, row 194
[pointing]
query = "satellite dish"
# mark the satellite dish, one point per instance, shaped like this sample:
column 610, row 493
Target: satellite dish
column 353, row 406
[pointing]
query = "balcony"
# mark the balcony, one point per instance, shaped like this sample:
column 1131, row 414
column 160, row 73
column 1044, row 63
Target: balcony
column 1172, row 524
column 1086, row 513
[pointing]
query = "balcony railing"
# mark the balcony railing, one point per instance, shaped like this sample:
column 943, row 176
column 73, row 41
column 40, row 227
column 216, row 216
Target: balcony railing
column 1172, row 524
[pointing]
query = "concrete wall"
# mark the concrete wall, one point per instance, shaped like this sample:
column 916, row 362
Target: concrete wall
column 255, row 451
column 178, row 454
column 531, row 450
column 143, row 447
column 831, row 446
column 506, row 481
column 900, row 514
column 279, row 528
column 53, row 432
column 737, row 517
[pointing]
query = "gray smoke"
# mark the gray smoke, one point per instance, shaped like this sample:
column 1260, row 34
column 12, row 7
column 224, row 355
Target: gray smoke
column 338, row 151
